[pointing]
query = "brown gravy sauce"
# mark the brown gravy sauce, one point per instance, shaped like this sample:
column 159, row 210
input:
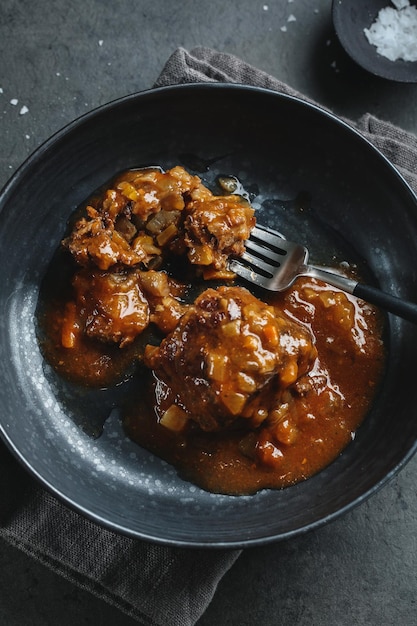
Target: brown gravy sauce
column 350, row 364
column 321, row 415
column 349, row 367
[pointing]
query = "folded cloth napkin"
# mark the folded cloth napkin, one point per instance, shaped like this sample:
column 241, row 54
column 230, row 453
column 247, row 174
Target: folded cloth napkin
column 206, row 65
column 154, row 584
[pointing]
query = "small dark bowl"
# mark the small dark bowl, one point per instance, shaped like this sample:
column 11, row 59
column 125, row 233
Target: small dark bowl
column 360, row 209
column 350, row 18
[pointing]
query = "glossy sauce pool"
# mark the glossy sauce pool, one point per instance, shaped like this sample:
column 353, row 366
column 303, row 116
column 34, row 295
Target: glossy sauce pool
column 307, row 425
column 319, row 426
column 349, row 367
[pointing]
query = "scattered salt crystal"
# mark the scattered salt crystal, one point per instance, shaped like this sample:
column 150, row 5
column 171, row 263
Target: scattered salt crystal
column 401, row 4
column 23, row 110
column 284, row 29
column 394, row 32
column 1, row 89
column 27, row 136
column 100, row 42
column 14, row 101
column 291, row 18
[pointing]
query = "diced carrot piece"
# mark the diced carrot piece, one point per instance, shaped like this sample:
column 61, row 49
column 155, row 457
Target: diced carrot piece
column 271, row 334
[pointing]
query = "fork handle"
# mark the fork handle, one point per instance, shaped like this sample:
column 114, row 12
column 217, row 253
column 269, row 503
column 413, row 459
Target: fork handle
column 403, row 308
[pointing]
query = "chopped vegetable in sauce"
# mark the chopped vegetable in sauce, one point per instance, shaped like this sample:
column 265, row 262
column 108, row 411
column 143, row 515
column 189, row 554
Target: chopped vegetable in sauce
column 238, row 393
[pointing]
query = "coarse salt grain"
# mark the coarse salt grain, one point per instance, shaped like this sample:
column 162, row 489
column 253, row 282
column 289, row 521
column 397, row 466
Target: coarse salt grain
column 401, row 4
column 394, row 32
column 23, row 110
column 14, row 101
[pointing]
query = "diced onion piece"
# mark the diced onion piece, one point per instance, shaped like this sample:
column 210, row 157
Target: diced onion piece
column 286, row 432
column 119, row 240
column 174, row 418
column 258, row 417
column 246, row 383
column 233, row 401
column 251, row 311
column 201, row 255
column 167, row 234
column 160, row 221
column 231, row 329
column 145, row 243
column 289, row 373
column 128, row 190
column 251, row 341
column 173, row 201
column 267, row 363
column 217, row 366
column 269, row 454
column 155, row 283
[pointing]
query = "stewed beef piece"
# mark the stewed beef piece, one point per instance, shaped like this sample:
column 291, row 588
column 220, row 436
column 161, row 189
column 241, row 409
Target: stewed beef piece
column 223, row 352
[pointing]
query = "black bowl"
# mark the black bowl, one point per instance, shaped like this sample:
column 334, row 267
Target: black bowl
column 360, row 208
column 350, row 18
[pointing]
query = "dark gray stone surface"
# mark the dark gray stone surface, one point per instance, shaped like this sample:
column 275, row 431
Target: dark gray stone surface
column 61, row 59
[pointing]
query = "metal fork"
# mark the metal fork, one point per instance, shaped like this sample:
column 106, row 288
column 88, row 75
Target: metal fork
column 272, row 262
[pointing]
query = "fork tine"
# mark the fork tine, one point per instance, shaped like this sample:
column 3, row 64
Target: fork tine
column 269, row 260
column 249, row 273
column 272, row 255
column 262, row 257
column 269, row 237
column 259, row 264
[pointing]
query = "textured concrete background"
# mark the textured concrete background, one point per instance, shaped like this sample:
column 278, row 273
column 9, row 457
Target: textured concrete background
column 60, row 59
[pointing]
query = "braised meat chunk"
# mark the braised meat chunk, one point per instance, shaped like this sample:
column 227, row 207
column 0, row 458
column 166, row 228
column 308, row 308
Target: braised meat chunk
column 116, row 307
column 120, row 227
column 164, row 296
column 108, row 306
column 148, row 214
column 217, row 227
column 224, row 351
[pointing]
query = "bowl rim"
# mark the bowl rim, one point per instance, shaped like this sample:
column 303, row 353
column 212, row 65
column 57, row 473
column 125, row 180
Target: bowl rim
column 70, row 501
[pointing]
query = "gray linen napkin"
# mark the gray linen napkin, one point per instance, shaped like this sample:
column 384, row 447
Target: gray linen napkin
column 207, row 65
column 154, row 584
